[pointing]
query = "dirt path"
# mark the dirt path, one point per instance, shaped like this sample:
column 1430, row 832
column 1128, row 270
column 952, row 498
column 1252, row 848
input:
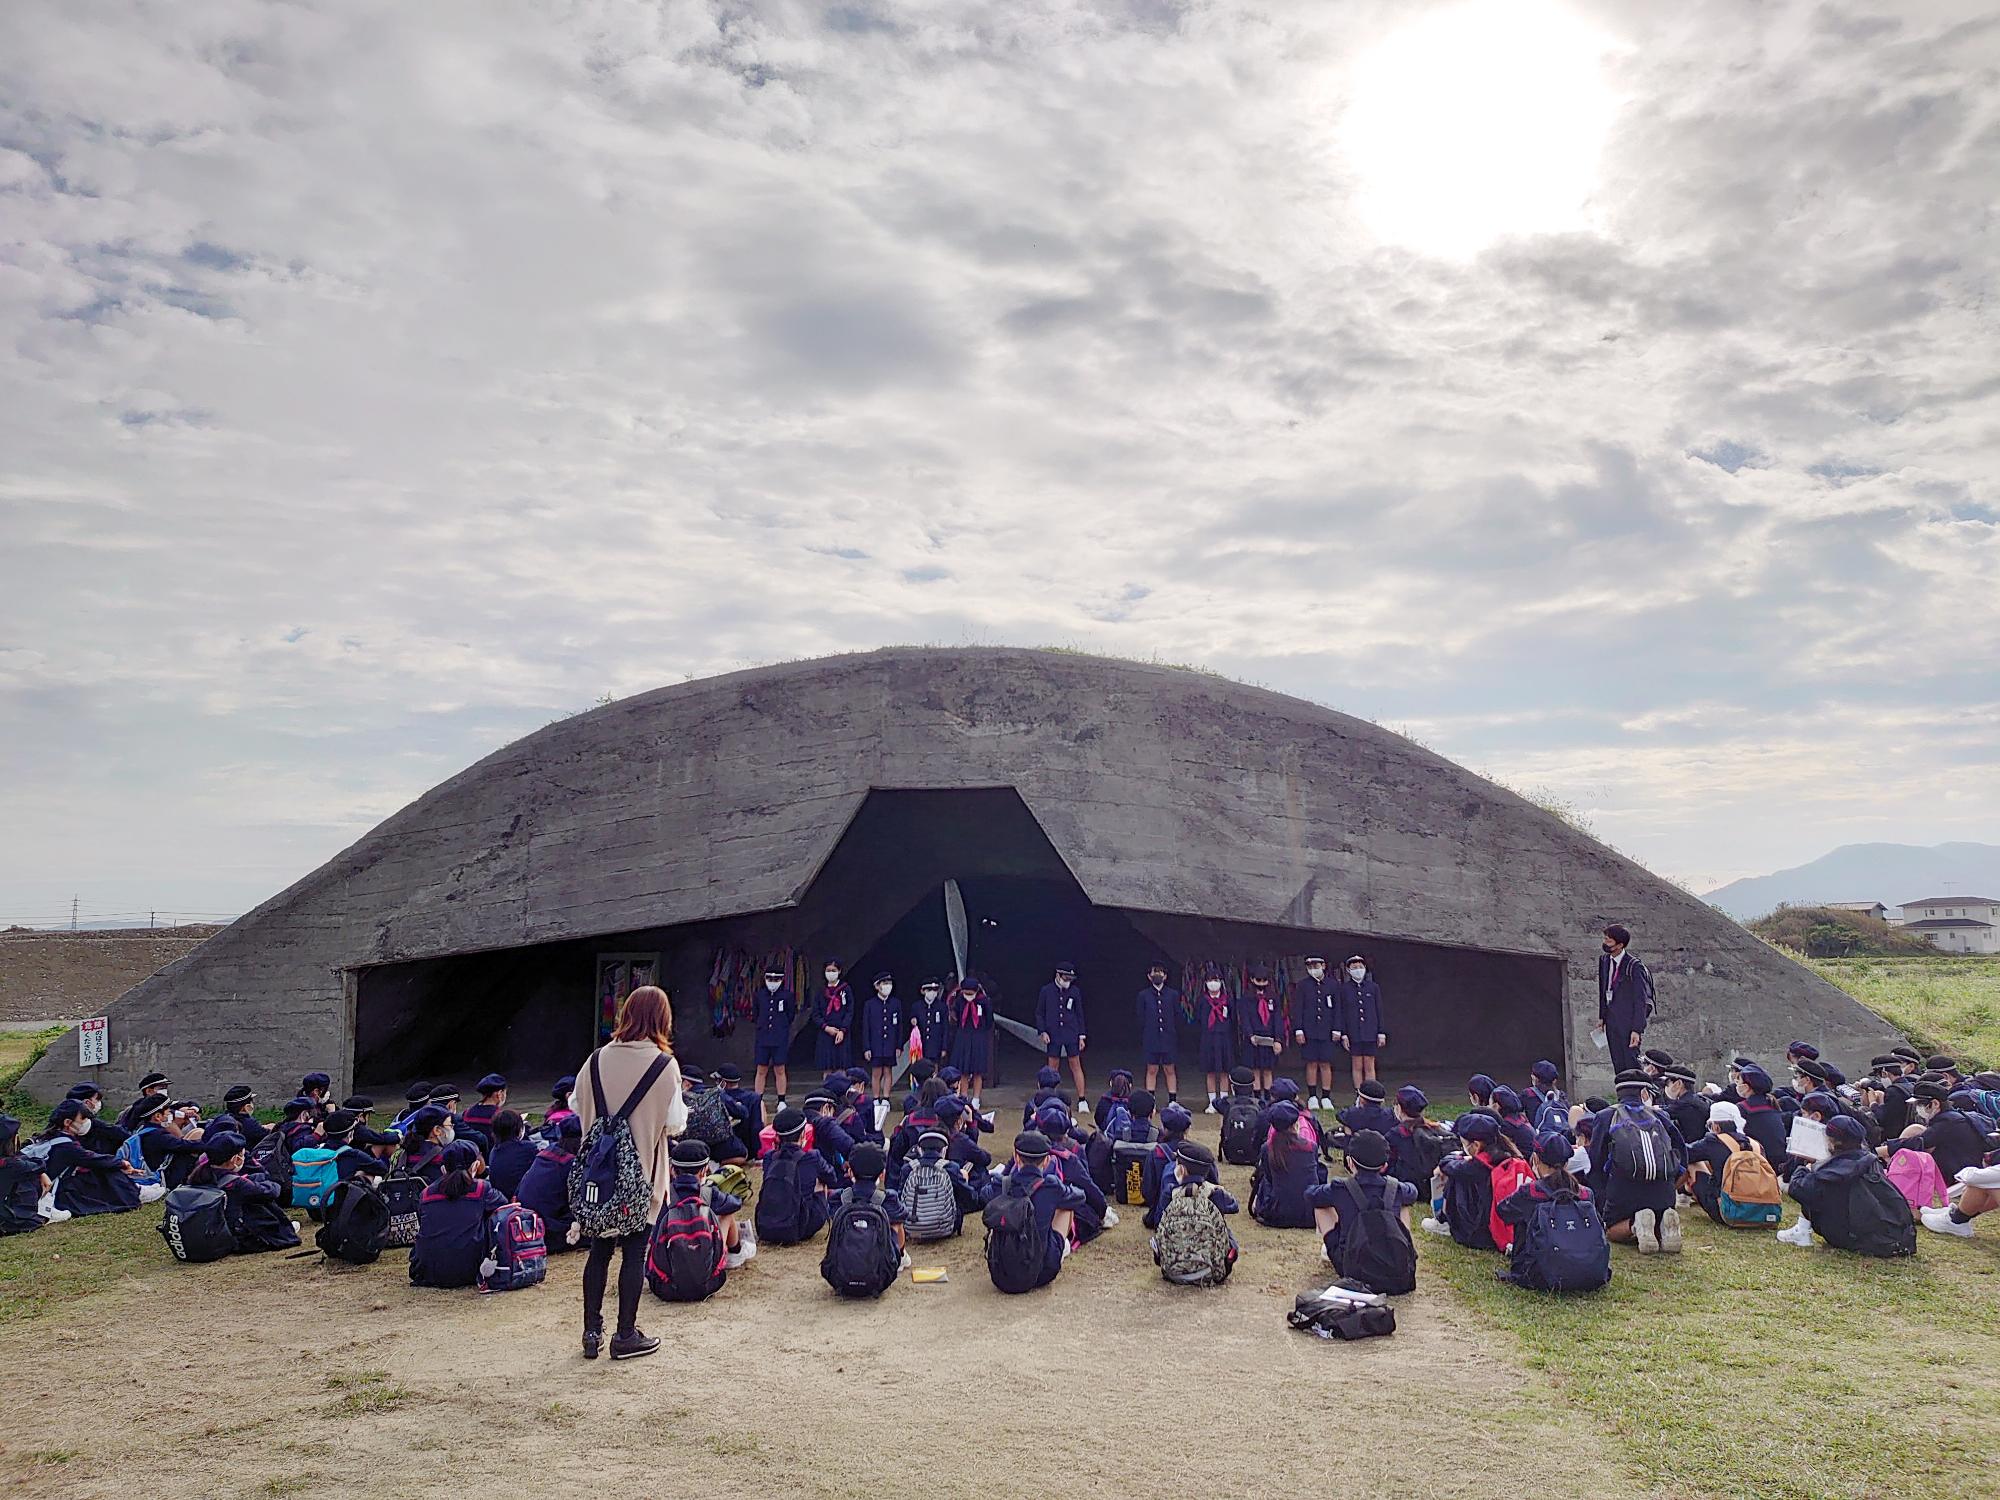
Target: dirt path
column 264, row 1377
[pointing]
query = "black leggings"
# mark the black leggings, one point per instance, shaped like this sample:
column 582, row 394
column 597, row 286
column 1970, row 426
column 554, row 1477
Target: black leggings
column 631, row 1279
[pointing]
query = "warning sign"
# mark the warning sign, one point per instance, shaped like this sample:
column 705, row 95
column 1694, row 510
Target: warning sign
column 93, row 1042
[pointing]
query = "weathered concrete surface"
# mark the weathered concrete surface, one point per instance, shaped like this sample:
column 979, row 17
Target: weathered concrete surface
column 1163, row 789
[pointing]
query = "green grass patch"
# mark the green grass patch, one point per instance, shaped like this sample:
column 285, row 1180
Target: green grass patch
column 59, row 1263
column 1950, row 1004
column 1747, row 1367
column 20, row 1051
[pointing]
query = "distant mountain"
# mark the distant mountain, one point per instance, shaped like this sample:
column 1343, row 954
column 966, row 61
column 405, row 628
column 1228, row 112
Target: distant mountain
column 1889, row 873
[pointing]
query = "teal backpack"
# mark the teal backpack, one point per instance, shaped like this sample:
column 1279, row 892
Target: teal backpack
column 314, row 1178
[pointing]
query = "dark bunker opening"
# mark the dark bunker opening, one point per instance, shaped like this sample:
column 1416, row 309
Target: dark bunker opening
column 879, row 903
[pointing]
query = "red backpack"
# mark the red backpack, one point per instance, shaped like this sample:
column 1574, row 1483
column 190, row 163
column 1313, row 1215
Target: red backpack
column 684, row 1257
column 1509, row 1177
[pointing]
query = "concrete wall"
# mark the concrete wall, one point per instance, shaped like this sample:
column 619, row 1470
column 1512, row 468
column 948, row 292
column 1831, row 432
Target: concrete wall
column 1163, row 790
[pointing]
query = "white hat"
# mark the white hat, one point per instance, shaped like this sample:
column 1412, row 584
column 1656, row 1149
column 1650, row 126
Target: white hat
column 1722, row 1112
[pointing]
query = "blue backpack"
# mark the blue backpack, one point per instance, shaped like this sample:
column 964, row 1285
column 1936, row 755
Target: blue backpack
column 134, row 1154
column 1554, row 1113
column 314, row 1177
column 517, row 1253
column 1563, row 1247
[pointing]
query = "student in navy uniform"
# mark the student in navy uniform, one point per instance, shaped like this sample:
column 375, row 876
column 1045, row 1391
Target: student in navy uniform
column 1048, row 1085
column 512, row 1153
column 428, row 1133
column 1624, row 999
column 317, row 1087
column 545, row 1185
column 1316, row 1028
column 1116, row 1100
column 1054, row 1201
column 1514, row 1121
column 833, row 1019
column 1763, row 1120
column 773, row 1010
column 1285, row 1091
column 833, row 1144
column 920, row 1113
column 252, row 1203
column 1287, row 1169
column 492, row 1091
column 1541, row 1089
column 1953, row 1139
column 22, row 1183
column 933, row 1021
column 297, row 1123
column 869, row 1162
column 381, row 1142
column 1215, row 1014
column 1094, row 1214
column 163, row 1147
column 746, row 1107
column 883, row 1028
column 90, row 1182
column 1337, row 1204
column 453, row 1219
column 445, row 1097
column 1468, row 1181
column 1175, row 1122
column 972, row 1035
column 691, row 1164
column 1059, row 1020
column 417, row 1096
column 963, row 1125
column 1416, row 1146
column 1713, row 1152
column 1824, row 1192
column 238, row 1116
column 1687, row 1109
column 854, row 1113
column 153, row 1084
column 1260, row 1014
column 1191, row 1163
column 103, row 1136
column 1363, row 1030
column 1370, row 1111
column 1550, row 1161
column 811, row 1178
column 349, row 1160
column 1159, row 1007
column 1636, row 1211
column 1479, row 1090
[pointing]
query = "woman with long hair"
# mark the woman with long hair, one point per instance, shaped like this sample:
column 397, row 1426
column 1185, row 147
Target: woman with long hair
column 614, row 1078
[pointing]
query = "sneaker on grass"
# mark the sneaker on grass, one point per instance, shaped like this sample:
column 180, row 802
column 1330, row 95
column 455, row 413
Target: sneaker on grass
column 1940, row 1220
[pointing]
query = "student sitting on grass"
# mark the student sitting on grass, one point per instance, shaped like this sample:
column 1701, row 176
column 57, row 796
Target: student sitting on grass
column 1094, row 1214
column 492, row 1091
column 865, row 1235
column 1710, row 1155
column 1558, row 1242
column 1288, row 1168
column 1763, row 1120
column 1175, row 1122
column 425, row 1137
column 238, row 1116
column 792, row 1203
column 349, row 1160
column 1028, row 1217
column 1370, row 1110
column 1514, row 1121
column 88, row 1182
column 1467, row 1179
column 253, row 1204
column 166, row 1149
column 1637, row 1159
column 453, row 1219
column 1193, row 1245
column 512, row 1154
column 1976, row 1192
column 1848, row 1201
column 1364, row 1218
column 545, row 1185
column 1951, row 1136
column 1416, row 1146
column 103, row 1136
column 23, row 1184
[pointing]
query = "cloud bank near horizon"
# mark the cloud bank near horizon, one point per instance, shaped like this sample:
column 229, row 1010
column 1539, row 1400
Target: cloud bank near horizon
column 381, row 382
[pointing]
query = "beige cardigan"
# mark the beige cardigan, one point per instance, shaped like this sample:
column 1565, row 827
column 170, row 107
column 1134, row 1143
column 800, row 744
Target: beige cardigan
column 661, row 1115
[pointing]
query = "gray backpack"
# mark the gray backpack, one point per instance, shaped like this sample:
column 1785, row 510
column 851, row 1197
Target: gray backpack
column 1193, row 1241
column 930, row 1202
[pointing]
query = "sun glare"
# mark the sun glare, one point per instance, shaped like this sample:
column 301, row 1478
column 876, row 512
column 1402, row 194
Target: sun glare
column 1480, row 120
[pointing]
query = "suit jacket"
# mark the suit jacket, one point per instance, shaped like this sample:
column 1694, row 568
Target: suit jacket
column 1630, row 1004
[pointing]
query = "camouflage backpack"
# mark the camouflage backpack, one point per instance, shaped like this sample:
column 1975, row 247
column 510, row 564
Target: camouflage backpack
column 1193, row 1240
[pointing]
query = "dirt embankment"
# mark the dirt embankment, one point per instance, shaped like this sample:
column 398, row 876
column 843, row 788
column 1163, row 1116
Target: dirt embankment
column 64, row 976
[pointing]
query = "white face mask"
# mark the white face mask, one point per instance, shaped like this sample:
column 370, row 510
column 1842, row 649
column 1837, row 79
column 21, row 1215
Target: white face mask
column 833, row 976
column 450, row 1135
column 1318, row 971
column 1355, row 971
column 931, row 992
column 1215, row 986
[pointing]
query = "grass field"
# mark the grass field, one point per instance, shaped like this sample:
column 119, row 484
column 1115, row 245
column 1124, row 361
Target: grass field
column 1952, row 1004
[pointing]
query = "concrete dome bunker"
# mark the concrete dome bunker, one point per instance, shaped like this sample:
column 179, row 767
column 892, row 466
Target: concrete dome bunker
column 1170, row 796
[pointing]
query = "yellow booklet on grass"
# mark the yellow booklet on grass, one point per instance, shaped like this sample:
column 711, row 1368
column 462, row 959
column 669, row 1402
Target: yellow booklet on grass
column 925, row 1275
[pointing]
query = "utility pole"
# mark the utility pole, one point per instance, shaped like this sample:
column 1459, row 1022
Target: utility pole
column 152, row 918
column 72, row 914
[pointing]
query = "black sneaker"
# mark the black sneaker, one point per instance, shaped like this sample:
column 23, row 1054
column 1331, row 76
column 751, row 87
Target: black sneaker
column 593, row 1340
column 633, row 1345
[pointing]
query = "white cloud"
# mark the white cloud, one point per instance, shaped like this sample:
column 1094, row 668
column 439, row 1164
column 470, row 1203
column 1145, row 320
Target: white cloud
column 515, row 354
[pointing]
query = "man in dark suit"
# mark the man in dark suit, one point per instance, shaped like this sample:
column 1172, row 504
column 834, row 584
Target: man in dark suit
column 1624, row 998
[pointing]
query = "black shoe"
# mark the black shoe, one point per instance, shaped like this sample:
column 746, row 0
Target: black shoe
column 633, row 1345
column 593, row 1340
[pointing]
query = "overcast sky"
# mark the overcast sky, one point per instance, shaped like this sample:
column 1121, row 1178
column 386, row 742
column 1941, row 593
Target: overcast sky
column 1607, row 395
